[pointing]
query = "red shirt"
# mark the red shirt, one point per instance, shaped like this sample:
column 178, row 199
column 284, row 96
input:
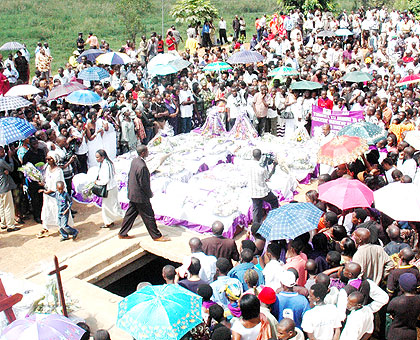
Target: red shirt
column 171, row 43
column 160, row 46
column 325, row 103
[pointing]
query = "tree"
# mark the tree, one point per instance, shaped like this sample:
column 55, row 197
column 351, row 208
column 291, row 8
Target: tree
column 133, row 12
column 193, row 11
column 307, row 5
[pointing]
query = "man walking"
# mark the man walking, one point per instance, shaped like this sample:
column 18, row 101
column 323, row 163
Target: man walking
column 222, row 31
column 139, row 194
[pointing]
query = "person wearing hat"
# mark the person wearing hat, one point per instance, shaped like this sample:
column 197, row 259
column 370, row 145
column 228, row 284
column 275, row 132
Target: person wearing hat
column 405, row 309
column 267, row 297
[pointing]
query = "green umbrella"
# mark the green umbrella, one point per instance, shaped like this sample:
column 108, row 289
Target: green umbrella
column 357, row 77
column 217, row 67
column 305, row 85
column 283, row 71
column 371, row 132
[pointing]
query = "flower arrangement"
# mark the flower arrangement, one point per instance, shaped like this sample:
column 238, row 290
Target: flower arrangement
column 32, row 172
column 87, row 190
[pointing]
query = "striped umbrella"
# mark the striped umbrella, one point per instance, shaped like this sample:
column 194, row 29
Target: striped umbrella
column 13, row 103
column 12, row 45
column 114, row 58
column 66, row 89
column 13, row 129
column 94, row 73
column 90, row 54
column 217, row 67
column 289, row 221
column 84, row 97
column 245, row 57
column 411, row 79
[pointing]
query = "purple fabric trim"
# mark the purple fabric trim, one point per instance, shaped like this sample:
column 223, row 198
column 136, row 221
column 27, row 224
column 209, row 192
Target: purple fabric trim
column 309, row 176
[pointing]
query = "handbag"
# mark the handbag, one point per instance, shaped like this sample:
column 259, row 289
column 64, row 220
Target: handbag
column 100, row 190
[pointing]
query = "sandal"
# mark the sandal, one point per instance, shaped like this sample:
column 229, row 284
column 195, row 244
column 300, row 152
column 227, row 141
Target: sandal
column 42, row 233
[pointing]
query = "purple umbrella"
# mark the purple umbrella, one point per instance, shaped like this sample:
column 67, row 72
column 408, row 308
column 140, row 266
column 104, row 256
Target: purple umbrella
column 90, row 55
column 65, row 90
column 42, row 327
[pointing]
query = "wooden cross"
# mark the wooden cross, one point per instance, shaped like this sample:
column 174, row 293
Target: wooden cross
column 57, row 271
column 7, row 302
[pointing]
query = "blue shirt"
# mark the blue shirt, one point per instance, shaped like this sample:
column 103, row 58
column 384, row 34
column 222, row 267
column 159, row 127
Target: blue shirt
column 64, row 201
column 290, row 305
column 238, row 272
column 206, row 29
column 217, row 285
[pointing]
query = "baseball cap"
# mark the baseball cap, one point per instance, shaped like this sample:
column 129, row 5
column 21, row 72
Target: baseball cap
column 287, row 278
column 267, row 296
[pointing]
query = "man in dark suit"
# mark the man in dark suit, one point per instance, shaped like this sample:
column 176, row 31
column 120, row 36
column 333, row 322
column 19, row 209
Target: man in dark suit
column 139, row 194
column 220, row 246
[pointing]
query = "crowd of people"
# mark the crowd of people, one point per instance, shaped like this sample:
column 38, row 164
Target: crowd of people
column 353, row 277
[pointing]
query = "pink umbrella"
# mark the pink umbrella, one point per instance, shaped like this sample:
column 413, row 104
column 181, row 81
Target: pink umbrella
column 66, row 89
column 346, row 193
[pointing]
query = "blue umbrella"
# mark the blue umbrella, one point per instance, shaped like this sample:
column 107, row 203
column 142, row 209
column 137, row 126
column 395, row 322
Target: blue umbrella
column 84, row 97
column 245, row 57
column 163, row 70
column 93, row 73
column 289, row 221
column 165, row 312
column 90, row 55
column 13, row 129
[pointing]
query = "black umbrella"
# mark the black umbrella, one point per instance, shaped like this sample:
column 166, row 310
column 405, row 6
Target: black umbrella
column 90, row 55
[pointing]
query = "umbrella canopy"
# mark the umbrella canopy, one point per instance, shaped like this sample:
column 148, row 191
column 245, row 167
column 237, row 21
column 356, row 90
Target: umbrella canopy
column 357, row 77
column 179, row 63
column 22, row 90
column 217, row 67
column 346, row 193
column 13, row 103
column 341, row 150
column 411, row 79
column 161, row 59
column 12, row 45
column 94, row 73
column 400, row 201
column 163, row 70
column 163, row 312
column 289, row 221
column 283, row 71
column 245, row 57
column 13, row 129
column 42, row 327
column 114, row 58
column 343, row 32
column 305, row 85
column 83, row 97
column 66, row 89
column 413, row 138
column 372, row 133
column 326, row 34
column 90, row 54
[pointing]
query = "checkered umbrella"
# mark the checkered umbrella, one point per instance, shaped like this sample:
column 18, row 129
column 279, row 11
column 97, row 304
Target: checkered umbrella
column 13, row 103
column 289, row 221
column 245, row 57
column 93, row 73
column 13, row 129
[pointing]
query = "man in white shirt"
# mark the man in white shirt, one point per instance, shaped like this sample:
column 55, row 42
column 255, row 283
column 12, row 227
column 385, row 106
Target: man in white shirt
column 187, row 105
column 234, row 105
column 61, row 77
column 222, row 31
column 274, row 267
column 260, row 192
column 11, row 74
column 287, row 330
column 407, row 165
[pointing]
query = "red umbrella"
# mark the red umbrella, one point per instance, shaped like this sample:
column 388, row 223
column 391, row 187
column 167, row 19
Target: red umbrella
column 411, row 79
column 342, row 150
column 66, row 89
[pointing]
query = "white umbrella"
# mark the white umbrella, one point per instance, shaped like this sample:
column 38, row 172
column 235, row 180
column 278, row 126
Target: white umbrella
column 22, row 90
column 161, row 59
column 400, row 201
column 12, row 45
column 413, row 138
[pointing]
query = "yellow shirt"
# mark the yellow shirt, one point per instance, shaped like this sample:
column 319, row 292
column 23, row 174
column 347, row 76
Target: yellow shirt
column 192, row 45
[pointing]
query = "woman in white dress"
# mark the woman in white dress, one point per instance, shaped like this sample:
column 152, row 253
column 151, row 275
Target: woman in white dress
column 111, row 210
column 94, row 133
column 49, row 213
column 109, row 137
column 291, row 108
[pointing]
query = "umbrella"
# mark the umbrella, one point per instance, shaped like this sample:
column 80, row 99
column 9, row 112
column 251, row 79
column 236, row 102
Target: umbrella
column 245, row 57
column 411, row 79
column 179, row 63
column 400, row 201
column 341, row 150
column 326, row 34
column 371, row 132
column 66, row 89
column 217, row 67
column 114, row 58
column 22, row 90
column 160, row 312
column 357, row 77
column 13, row 103
column 83, row 97
column 90, row 54
column 343, row 32
column 413, row 138
column 13, row 45
column 346, row 193
column 13, row 129
column 283, row 71
column 289, row 221
column 161, row 59
column 93, row 73
column 305, row 85
column 163, row 70
column 42, row 327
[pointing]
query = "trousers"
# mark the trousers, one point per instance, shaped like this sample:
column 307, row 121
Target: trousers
column 257, row 206
column 7, row 209
column 147, row 214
